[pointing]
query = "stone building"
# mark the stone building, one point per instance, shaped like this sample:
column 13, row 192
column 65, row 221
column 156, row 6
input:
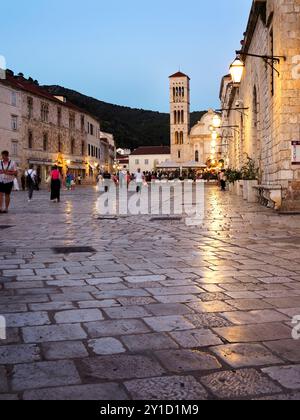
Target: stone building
column 108, row 151
column 268, row 127
column 10, row 121
column 47, row 130
column 148, row 158
column 189, row 146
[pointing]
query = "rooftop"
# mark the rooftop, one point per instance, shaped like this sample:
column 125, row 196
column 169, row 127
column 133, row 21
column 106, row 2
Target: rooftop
column 178, row 75
column 19, row 82
column 152, row 150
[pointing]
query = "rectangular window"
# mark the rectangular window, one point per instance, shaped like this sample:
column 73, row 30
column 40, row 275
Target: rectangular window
column 45, row 142
column 137, row 162
column 146, row 161
column 82, row 123
column 44, row 112
column 30, row 140
column 91, row 129
column 82, row 148
column 30, row 107
column 59, row 144
column 14, row 123
column 15, row 148
column 72, row 121
column 72, row 146
column 14, row 99
column 59, row 116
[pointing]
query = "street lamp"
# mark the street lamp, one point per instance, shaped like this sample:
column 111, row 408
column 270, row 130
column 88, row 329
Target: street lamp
column 217, row 122
column 270, row 60
column 237, row 71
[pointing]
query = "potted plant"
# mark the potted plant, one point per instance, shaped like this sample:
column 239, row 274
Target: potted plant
column 250, row 173
column 233, row 177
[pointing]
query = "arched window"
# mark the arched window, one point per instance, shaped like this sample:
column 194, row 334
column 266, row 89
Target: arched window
column 182, row 117
column 181, row 137
column 175, row 117
column 174, row 94
column 197, row 156
column 176, row 137
column 183, row 92
column 178, row 117
column 179, row 154
column 177, row 93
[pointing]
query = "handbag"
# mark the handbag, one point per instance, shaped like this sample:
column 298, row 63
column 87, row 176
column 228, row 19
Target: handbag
column 16, row 185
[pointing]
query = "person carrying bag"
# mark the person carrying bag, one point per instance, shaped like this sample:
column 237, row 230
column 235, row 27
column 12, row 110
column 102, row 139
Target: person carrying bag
column 31, row 181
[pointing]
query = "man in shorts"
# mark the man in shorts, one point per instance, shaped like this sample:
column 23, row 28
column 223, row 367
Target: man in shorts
column 8, row 172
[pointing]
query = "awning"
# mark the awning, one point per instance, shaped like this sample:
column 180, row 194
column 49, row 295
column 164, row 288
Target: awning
column 168, row 165
column 193, row 165
column 81, row 167
column 39, row 162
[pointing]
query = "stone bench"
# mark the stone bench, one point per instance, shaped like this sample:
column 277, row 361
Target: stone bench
column 270, row 195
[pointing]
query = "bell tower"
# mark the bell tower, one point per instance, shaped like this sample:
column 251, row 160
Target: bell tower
column 180, row 117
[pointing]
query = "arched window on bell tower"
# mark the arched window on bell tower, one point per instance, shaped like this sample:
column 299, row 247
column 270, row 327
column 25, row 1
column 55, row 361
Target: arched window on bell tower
column 181, row 137
column 182, row 117
column 175, row 117
column 176, row 137
column 197, row 156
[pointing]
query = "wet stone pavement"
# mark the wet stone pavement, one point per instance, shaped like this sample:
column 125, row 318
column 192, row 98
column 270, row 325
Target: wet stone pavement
column 158, row 310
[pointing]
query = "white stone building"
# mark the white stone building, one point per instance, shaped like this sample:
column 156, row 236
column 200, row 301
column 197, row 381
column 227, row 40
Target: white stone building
column 147, row 159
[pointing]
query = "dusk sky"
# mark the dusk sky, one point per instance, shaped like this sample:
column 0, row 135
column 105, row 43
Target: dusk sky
column 122, row 52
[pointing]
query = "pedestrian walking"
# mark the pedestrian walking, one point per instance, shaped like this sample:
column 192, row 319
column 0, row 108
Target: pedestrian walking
column 123, row 177
column 8, row 172
column 139, row 179
column 31, row 181
column 69, row 181
column 107, row 180
column 55, row 184
column 222, row 179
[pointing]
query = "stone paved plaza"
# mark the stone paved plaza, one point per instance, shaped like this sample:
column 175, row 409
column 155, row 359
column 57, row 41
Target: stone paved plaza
column 159, row 310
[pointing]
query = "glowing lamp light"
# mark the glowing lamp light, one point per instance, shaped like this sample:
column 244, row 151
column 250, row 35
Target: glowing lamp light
column 214, row 135
column 237, row 70
column 217, row 122
column 213, row 144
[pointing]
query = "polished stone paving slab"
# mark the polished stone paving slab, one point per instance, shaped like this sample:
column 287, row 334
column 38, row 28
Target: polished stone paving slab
column 157, row 310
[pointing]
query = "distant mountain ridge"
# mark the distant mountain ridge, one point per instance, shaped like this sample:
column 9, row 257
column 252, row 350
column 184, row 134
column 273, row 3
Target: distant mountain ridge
column 131, row 127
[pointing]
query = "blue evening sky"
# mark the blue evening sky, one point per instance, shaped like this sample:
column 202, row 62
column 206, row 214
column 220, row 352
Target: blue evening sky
column 122, row 51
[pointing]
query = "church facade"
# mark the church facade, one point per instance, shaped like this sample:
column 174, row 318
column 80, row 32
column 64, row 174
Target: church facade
column 190, row 146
